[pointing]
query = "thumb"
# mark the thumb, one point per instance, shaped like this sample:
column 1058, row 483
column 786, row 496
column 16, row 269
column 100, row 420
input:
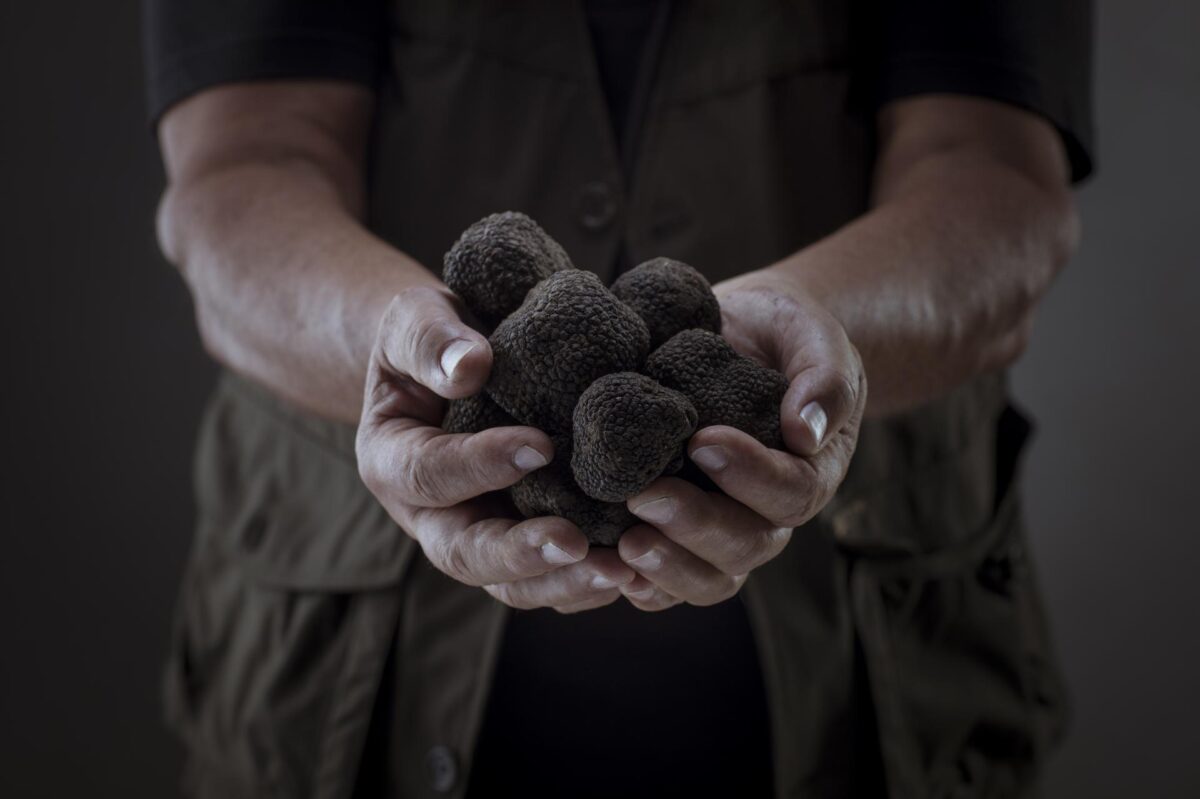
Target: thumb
column 827, row 387
column 421, row 335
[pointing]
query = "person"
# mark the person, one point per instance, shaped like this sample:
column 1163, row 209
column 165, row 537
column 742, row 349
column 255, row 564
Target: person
column 880, row 194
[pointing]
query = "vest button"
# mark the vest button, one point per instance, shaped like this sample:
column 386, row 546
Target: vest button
column 596, row 205
column 443, row 769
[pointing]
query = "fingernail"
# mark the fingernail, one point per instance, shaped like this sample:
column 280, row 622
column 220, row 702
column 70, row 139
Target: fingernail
column 556, row 556
column 455, row 351
column 712, row 458
column 656, row 510
column 814, row 416
column 527, row 458
column 649, row 560
column 603, row 583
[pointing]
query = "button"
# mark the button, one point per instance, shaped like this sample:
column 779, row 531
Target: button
column 443, row 769
column 596, row 205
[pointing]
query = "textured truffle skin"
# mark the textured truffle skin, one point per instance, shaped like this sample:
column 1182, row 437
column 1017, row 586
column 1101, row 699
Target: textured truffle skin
column 670, row 296
column 725, row 387
column 497, row 260
column 474, row 414
column 551, row 491
column 627, row 430
column 569, row 331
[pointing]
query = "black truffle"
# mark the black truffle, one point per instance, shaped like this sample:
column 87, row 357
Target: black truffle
column 725, row 387
column 628, row 429
column 569, row 331
column 670, row 296
column 497, row 260
column 474, row 414
column 552, row 491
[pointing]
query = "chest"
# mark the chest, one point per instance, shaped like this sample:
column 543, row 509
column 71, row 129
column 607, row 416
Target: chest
column 752, row 142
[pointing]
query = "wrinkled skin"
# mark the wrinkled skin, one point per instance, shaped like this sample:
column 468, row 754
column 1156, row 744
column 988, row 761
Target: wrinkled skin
column 444, row 489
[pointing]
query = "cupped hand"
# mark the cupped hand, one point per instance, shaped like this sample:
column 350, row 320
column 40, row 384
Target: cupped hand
column 440, row 487
column 698, row 546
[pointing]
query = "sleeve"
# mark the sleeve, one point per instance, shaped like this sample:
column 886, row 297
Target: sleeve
column 1035, row 54
column 189, row 45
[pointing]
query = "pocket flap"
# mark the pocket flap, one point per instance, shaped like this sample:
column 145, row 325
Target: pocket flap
column 282, row 492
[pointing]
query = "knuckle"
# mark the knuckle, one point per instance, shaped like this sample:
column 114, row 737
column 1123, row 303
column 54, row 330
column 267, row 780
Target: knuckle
column 514, row 559
column 491, row 467
column 802, row 503
column 517, row 600
column 746, row 553
column 448, row 556
column 423, row 481
column 659, row 602
column 426, row 337
column 368, row 470
column 418, row 333
column 721, row 590
column 846, row 388
column 796, row 515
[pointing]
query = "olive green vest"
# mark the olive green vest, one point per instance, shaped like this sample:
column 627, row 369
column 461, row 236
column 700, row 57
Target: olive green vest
column 754, row 144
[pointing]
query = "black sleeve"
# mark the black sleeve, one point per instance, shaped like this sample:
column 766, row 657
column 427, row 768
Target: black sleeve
column 1035, row 54
column 190, row 45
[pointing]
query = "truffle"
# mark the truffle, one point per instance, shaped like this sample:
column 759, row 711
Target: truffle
column 725, row 387
column 628, row 430
column 552, row 491
column 569, row 331
column 569, row 357
column 473, row 414
column 497, row 260
column 670, row 296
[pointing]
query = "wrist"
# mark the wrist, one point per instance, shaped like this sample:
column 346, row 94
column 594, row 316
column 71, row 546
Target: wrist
column 784, row 279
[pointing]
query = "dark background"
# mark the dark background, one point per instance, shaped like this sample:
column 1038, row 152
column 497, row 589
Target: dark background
column 105, row 379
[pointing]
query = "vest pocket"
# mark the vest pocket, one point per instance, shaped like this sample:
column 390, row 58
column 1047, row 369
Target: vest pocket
column 284, row 500
column 287, row 608
column 961, row 670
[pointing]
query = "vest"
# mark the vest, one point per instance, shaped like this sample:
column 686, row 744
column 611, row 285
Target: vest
column 911, row 593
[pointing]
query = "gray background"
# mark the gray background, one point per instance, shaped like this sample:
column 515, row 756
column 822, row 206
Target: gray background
column 104, row 380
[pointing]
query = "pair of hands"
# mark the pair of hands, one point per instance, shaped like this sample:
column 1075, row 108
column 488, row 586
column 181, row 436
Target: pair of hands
column 693, row 546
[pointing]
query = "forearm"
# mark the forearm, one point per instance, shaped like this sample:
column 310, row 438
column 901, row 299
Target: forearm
column 938, row 282
column 288, row 286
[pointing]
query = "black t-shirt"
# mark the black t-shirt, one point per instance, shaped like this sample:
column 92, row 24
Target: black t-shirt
column 1035, row 54
column 635, row 703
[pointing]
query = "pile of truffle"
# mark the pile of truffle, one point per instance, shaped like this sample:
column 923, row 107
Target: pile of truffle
column 618, row 377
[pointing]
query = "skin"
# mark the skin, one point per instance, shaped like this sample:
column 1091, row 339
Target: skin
column 971, row 219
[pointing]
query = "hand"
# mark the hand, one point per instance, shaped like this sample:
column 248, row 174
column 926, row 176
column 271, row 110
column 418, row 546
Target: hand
column 437, row 486
column 698, row 546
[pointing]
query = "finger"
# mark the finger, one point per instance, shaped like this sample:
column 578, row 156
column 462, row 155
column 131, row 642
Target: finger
column 598, row 601
column 601, row 572
column 783, row 488
column 826, row 386
column 491, row 550
column 718, row 530
column 674, row 569
column 645, row 595
column 407, row 461
column 422, row 335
